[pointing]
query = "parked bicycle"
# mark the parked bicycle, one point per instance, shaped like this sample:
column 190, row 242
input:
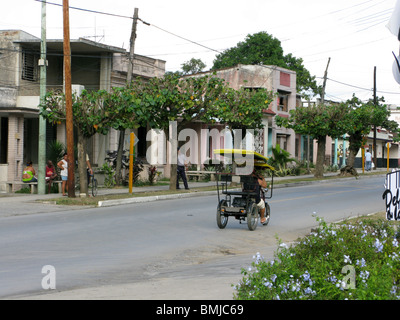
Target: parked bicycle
column 93, row 185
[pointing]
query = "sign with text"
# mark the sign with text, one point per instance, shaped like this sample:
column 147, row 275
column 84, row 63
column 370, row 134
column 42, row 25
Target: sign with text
column 392, row 195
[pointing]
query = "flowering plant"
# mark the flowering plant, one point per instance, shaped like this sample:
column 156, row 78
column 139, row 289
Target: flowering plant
column 313, row 268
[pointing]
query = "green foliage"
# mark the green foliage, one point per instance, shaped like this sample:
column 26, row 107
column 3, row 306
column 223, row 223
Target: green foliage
column 281, row 157
column 241, row 109
column 317, row 121
column 263, row 49
column 109, row 175
column 193, row 66
column 313, row 268
column 55, row 151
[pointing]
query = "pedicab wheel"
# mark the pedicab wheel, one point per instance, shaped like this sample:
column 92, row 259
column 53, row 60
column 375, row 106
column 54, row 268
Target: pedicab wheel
column 267, row 214
column 252, row 216
column 222, row 219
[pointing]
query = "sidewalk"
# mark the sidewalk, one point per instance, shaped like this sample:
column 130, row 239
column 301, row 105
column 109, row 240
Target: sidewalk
column 18, row 204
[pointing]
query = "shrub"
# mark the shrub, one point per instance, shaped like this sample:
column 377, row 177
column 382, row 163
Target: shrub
column 355, row 261
column 153, row 174
column 109, row 175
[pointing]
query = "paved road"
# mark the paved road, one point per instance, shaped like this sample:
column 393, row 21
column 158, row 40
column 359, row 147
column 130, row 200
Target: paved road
column 169, row 249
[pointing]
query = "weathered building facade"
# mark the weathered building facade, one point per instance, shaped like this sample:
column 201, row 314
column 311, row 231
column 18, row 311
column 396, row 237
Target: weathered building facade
column 282, row 83
column 94, row 66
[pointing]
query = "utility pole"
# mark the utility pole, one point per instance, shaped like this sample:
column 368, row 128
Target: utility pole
column 324, row 83
column 128, row 82
column 132, row 46
column 322, row 141
column 68, row 102
column 42, row 121
column 374, row 146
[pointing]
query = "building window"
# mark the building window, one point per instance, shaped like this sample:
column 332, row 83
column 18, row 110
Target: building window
column 29, row 69
column 285, row 79
column 283, row 99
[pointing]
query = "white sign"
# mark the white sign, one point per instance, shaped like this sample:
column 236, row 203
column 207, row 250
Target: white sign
column 392, row 195
column 394, row 21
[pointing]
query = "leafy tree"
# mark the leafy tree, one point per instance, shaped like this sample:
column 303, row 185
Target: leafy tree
column 317, row 121
column 208, row 99
column 361, row 117
column 193, row 66
column 170, row 99
column 263, row 49
column 128, row 114
column 91, row 115
column 242, row 108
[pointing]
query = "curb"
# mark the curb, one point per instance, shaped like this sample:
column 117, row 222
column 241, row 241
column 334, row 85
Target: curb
column 110, row 203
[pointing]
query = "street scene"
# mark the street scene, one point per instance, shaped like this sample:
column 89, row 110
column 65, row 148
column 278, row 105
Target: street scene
column 173, row 151
column 109, row 253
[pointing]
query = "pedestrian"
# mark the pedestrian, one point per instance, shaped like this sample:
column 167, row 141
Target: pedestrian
column 182, row 165
column 368, row 160
column 50, row 174
column 28, row 175
column 89, row 169
column 63, row 165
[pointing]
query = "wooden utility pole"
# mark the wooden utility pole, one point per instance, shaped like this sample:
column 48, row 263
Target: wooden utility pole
column 128, row 82
column 324, row 83
column 132, row 46
column 375, row 104
column 322, row 140
column 68, row 102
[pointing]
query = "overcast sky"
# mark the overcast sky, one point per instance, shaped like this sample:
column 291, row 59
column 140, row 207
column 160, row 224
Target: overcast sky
column 352, row 33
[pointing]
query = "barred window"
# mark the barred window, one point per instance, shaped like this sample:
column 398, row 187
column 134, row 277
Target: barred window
column 29, row 68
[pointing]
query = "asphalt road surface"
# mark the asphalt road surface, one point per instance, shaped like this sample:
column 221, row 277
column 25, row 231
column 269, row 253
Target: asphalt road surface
column 170, row 249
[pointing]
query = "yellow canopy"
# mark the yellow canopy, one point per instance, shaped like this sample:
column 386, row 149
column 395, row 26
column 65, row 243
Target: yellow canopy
column 259, row 160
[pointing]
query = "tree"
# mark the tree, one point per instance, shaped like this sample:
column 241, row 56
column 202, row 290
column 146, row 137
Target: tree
column 128, row 114
column 206, row 99
column 317, row 121
column 361, row 117
column 241, row 109
column 91, row 115
column 263, row 49
column 193, row 66
column 170, row 99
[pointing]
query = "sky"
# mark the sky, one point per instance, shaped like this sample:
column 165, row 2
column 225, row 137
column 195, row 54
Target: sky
column 352, row 33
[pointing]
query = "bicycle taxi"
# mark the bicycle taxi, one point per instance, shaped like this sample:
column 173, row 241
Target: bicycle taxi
column 240, row 203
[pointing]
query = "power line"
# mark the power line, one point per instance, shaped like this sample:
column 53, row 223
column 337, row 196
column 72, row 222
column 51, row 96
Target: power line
column 194, row 42
column 127, row 17
column 87, row 10
column 361, row 88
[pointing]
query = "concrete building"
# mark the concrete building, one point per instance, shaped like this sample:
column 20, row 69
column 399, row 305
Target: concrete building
column 282, row 82
column 94, row 66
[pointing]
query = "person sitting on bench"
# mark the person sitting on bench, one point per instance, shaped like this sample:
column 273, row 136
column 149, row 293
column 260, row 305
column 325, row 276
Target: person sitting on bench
column 28, row 175
column 50, row 173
